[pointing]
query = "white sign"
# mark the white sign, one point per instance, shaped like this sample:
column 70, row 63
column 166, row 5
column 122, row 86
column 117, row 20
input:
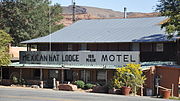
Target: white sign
column 79, row 57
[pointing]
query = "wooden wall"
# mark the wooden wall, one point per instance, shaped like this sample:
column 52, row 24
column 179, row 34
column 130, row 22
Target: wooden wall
column 169, row 53
column 147, row 50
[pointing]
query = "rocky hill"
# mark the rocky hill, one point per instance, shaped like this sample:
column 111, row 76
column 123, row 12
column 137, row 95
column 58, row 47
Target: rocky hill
column 84, row 12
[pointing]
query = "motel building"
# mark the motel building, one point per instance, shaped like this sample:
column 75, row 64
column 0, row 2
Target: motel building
column 91, row 50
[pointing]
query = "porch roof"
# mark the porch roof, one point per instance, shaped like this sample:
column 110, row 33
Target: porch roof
column 60, row 66
column 144, row 65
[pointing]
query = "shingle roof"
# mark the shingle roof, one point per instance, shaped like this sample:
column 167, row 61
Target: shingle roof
column 108, row 30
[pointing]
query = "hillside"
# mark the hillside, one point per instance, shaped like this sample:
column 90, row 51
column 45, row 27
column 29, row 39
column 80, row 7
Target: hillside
column 84, row 12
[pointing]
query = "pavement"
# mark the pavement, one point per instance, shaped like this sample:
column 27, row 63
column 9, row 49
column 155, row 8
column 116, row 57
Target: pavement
column 31, row 94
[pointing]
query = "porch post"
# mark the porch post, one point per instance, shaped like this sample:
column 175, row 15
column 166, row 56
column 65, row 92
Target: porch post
column 41, row 74
column 84, row 75
column 20, row 73
column 106, row 77
column 178, row 51
column 29, row 47
column 62, row 75
column 1, row 74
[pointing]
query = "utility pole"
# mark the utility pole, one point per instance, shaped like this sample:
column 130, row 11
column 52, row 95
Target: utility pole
column 73, row 11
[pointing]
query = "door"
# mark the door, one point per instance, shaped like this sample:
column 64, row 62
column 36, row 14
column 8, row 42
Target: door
column 68, row 75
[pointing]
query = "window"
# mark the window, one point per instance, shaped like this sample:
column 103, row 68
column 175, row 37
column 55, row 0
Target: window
column 56, row 47
column 83, row 46
column 159, row 47
column 82, row 77
column 68, row 75
column 135, row 47
column 70, row 47
column 5, row 73
column 101, row 75
column 53, row 74
column 43, row 47
column 113, row 47
column 146, row 47
column 102, row 47
column 85, row 75
column 36, row 73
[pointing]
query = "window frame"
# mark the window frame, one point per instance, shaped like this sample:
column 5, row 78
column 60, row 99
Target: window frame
column 83, row 46
column 144, row 47
column 70, row 47
column 103, row 76
column 159, row 47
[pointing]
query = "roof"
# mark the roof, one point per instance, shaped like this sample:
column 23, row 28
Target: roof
column 108, row 30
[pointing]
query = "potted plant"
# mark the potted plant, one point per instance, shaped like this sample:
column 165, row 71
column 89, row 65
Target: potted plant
column 166, row 93
column 127, row 78
column 126, row 90
column 123, row 80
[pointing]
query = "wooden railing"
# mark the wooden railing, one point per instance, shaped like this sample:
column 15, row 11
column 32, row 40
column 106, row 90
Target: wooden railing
column 172, row 89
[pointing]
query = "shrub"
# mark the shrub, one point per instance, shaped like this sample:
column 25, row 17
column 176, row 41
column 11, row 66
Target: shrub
column 21, row 81
column 79, row 83
column 89, row 86
column 18, row 81
column 15, row 80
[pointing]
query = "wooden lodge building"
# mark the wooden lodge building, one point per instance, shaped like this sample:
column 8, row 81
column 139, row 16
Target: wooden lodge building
column 91, row 50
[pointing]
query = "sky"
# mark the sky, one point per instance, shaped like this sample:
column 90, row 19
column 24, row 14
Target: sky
column 145, row 6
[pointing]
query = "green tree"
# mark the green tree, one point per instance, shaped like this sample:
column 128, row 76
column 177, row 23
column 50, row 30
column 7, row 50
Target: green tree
column 171, row 9
column 5, row 39
column 27, row 19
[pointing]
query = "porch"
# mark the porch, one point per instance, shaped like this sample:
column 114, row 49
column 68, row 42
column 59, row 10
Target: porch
column 35, row 75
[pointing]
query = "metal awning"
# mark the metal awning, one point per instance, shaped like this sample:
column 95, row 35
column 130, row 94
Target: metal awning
column 60, row 66
column 144, row 65
column 18, row 65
